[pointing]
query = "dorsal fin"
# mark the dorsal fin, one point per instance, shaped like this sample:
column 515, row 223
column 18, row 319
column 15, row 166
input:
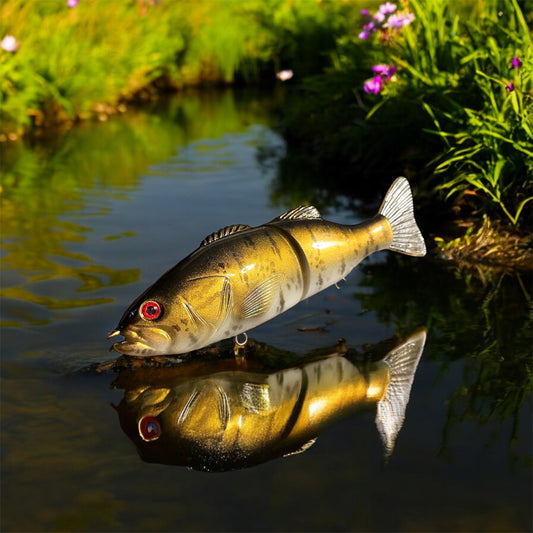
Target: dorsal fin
column 302, row 212
column 224, row 232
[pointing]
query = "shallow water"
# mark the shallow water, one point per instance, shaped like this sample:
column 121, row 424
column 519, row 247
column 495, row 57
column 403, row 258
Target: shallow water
column 91, row 218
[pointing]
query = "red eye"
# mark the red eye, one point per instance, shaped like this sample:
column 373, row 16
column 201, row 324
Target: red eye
column 150, row 310
column 149, row 428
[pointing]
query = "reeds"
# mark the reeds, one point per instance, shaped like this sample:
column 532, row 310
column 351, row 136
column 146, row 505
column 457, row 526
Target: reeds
column 471, row 73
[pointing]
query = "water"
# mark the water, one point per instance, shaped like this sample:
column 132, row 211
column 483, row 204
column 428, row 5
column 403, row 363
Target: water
column 91, row 218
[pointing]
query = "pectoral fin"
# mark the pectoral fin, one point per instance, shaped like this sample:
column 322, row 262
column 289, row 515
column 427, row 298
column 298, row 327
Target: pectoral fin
column 256, row 397
column 212, row 300
column 261, row 298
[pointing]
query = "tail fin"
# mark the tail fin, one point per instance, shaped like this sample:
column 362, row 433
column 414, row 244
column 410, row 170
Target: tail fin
column 402, row 362
column 397, row 207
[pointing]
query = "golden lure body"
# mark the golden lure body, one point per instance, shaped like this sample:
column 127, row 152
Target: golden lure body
column 242, row 276
column 236, row 418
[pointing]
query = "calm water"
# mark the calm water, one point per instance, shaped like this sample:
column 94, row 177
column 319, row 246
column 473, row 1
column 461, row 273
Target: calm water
column 91, row 218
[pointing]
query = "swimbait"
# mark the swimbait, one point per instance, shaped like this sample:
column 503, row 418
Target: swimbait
column 242, row 276
column 229, row 419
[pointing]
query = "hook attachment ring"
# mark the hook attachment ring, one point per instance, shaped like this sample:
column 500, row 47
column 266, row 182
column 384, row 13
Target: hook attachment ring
column 239, row 343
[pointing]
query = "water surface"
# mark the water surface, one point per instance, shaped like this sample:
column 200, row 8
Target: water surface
column 91, row 218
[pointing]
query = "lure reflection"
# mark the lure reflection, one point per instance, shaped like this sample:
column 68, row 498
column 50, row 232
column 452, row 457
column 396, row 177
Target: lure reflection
column 230, row 418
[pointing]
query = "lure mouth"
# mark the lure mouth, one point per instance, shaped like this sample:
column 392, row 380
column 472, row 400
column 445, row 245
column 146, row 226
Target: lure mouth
column 141, row 341
column 115, row 345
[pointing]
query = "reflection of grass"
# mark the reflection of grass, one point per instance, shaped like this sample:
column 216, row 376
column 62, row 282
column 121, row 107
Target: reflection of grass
column 44, row 185
column 487, row 326
column 19, row 293
column 117, row 152
column 120, row 236
column 498, row 381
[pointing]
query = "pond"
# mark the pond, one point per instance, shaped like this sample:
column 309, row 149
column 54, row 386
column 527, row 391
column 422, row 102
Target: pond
column 90, row 218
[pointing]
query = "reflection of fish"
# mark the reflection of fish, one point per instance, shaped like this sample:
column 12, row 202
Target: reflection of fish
column 233, row 419
column 241, row 276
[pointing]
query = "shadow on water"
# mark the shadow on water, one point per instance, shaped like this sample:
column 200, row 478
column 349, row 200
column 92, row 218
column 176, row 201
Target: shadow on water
column 484, row 322
column 91, row 219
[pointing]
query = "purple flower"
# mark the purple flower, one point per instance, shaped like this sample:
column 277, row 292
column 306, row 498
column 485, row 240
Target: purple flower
column 384, row 18
column 384, row 75
column 399, row 20
column 381, row 69
column 387, row 8
column 72, row 3
column 385, row 71
column 510, row 87
column 9, row 44
column 516, row 62
column 374, row 85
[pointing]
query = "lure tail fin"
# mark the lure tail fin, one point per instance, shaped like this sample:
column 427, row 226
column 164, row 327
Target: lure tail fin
column 397, row 207
column 402, row 362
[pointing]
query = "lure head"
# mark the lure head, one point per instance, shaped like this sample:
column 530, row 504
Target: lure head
column 174, row 318
column 185, row 420
column 147, row 328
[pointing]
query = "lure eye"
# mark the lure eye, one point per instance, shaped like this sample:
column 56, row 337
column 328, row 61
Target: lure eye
column 150, row 310
column 149, row 428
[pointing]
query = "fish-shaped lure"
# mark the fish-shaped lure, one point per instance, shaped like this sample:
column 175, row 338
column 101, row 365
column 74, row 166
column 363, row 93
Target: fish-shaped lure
column 242, row 276
column 236, row 418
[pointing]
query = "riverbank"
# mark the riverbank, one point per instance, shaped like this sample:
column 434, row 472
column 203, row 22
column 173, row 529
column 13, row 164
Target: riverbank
column 442, row 93
column 437, row 91
column 65, row 61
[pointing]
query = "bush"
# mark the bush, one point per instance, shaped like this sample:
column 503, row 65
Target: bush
column 73, row 62
column 443, row 96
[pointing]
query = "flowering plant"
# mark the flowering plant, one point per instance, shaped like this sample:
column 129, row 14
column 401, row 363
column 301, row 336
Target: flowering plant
column 383, row 74
column 9, row 44
column 473, row 80
column 386, row 19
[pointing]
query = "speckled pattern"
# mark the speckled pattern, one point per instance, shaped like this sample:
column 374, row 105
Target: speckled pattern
column 240, row 276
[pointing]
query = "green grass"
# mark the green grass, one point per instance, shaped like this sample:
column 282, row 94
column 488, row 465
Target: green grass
column 72, row 63
column 447, row 118
column 486, row 129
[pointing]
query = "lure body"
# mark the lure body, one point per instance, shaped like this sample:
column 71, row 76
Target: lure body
column 242, row 276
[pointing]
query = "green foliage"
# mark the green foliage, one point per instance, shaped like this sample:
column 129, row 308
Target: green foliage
column 480, row 105
column 71, row 60
column 72, row 63
column 449, row 118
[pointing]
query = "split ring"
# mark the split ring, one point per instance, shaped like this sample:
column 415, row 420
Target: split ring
column 243, row 343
